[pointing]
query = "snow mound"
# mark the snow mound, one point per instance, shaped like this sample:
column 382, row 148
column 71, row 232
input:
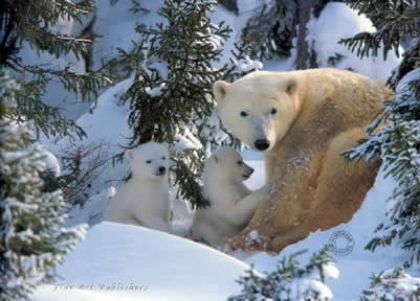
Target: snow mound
column 338, row 21
column 124, row 262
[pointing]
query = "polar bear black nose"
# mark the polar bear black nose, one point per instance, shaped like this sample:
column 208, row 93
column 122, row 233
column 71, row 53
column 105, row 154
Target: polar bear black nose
column 162, row 170
column 262, row 144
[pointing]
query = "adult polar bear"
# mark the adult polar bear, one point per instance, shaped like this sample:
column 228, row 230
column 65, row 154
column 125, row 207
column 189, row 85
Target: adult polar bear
column 303, row 121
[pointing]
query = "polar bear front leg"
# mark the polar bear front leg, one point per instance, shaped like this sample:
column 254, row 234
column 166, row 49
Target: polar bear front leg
column 283, row 209
column 244, row 209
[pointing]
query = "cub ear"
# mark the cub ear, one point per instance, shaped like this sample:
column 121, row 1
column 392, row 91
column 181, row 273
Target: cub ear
column 220, row 89
column 129, row 154
column 291, row 86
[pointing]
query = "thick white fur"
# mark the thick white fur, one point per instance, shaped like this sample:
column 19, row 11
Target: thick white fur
column 144, row 199
column 230, row 209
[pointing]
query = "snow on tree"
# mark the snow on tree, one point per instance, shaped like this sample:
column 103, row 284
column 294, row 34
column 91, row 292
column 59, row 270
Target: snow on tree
column 394, row 19
column 279, row 26
column 291, row 281
column 33, row 239
column 271, row 28
column 33, row 23
column 393, row 285
column 397, row 143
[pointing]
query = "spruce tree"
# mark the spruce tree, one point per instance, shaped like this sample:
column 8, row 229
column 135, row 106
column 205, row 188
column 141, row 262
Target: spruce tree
column 271, row 29
column 175, row 67
column 32, row 22
column 397, row 142
column 32, row 237
column 392, row 285
column 290, row 281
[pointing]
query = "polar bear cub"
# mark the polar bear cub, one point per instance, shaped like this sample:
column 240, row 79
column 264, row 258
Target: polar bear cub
column 229, row 211
column 144, row 199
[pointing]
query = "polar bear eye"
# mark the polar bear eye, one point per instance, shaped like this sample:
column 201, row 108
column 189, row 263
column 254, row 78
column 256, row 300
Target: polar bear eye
column 149, row 161
column 273, row 111
column 244, row 114
column 239, row 162
column 163, row 158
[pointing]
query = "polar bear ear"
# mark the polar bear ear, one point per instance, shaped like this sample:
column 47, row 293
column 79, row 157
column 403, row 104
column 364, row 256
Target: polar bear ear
column 220, row 90
column 291, row 86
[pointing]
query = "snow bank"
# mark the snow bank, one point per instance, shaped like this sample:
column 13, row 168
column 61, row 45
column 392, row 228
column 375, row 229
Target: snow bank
column 123, row 262
column 338, row 21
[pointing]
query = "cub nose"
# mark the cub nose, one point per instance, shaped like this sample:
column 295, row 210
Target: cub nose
column 262, row 144
column 161, row 170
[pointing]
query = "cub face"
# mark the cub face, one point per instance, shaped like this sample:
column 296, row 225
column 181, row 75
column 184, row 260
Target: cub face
column 149, row 160
column 259, row 108
column 227, row 165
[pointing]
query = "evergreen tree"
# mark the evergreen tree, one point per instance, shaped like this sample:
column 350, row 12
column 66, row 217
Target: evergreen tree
column 32, row 238
column 392, row 285
column 278, row 26
column 32, row 22
column 397, row 143
column 174, row 65
column 290, row 281
column 271, row 29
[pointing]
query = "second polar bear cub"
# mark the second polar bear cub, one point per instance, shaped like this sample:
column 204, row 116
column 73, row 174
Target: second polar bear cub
column 144, row 199
column 227, row 215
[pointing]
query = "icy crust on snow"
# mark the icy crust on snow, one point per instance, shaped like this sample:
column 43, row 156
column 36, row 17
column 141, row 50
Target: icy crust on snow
column 115, row 257
column 338, row 21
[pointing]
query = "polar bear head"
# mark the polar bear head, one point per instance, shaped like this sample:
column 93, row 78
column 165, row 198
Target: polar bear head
column 227, row 166
column 149, row 161
column 259, row 108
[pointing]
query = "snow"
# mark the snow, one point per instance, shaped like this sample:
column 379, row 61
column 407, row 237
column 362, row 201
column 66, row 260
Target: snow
column 171, row 267
column 247, row 65
column 184, row 141
column 304, row 289
column 115, row 257
column 394, row 282
column 156, row 91
column 52, row 163
column 68, row 103
column 108, row 124
column 404, row 84
column 115, row 27
column 331, row 271
column 338, row 21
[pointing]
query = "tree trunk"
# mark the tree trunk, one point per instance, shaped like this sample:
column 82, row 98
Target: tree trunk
column 306, row 56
